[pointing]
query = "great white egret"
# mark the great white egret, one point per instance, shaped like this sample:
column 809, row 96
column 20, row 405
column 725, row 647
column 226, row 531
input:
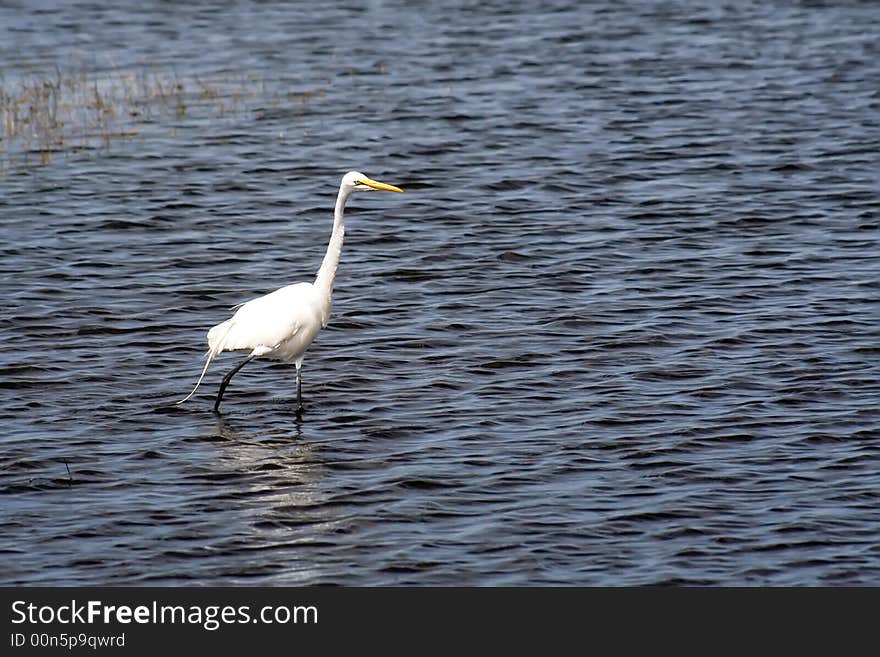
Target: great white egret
column 283, row 323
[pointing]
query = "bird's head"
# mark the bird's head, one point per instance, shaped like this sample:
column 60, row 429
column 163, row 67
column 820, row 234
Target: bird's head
column 355, row 181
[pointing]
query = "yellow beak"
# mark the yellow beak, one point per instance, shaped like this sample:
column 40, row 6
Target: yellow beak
column 375, row 184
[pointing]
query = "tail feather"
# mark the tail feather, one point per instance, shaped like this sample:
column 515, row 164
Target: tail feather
column 211, row 355
column 217, row 336
column 216, row 343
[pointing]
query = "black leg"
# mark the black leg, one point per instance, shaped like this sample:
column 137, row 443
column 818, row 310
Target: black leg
column 299, row 397
column 227, row 379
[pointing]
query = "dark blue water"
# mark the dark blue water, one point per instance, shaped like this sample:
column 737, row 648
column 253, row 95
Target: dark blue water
column 622, row 329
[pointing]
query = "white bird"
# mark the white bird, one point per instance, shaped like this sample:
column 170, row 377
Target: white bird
column 283, row 323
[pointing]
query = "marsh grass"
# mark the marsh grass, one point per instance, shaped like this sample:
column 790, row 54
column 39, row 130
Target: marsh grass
column 71, row 111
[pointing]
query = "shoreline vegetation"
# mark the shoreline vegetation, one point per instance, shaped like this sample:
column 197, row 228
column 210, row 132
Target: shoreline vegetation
column 67, row 112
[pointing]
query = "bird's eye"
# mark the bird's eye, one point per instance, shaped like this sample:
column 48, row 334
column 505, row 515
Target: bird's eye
column 358, row 182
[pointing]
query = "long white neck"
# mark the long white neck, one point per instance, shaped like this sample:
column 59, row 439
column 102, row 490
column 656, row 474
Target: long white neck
column 327, row 272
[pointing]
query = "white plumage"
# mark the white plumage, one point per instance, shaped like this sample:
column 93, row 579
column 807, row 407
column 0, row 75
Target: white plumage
column 282, row 324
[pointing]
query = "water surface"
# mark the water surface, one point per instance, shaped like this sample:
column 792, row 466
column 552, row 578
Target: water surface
column 621, row 330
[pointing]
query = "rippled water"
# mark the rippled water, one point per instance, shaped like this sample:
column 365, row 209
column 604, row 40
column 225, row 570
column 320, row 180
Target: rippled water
column 622, row 329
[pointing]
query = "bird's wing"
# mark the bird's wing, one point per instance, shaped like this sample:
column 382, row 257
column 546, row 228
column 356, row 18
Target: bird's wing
column 265, row 322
